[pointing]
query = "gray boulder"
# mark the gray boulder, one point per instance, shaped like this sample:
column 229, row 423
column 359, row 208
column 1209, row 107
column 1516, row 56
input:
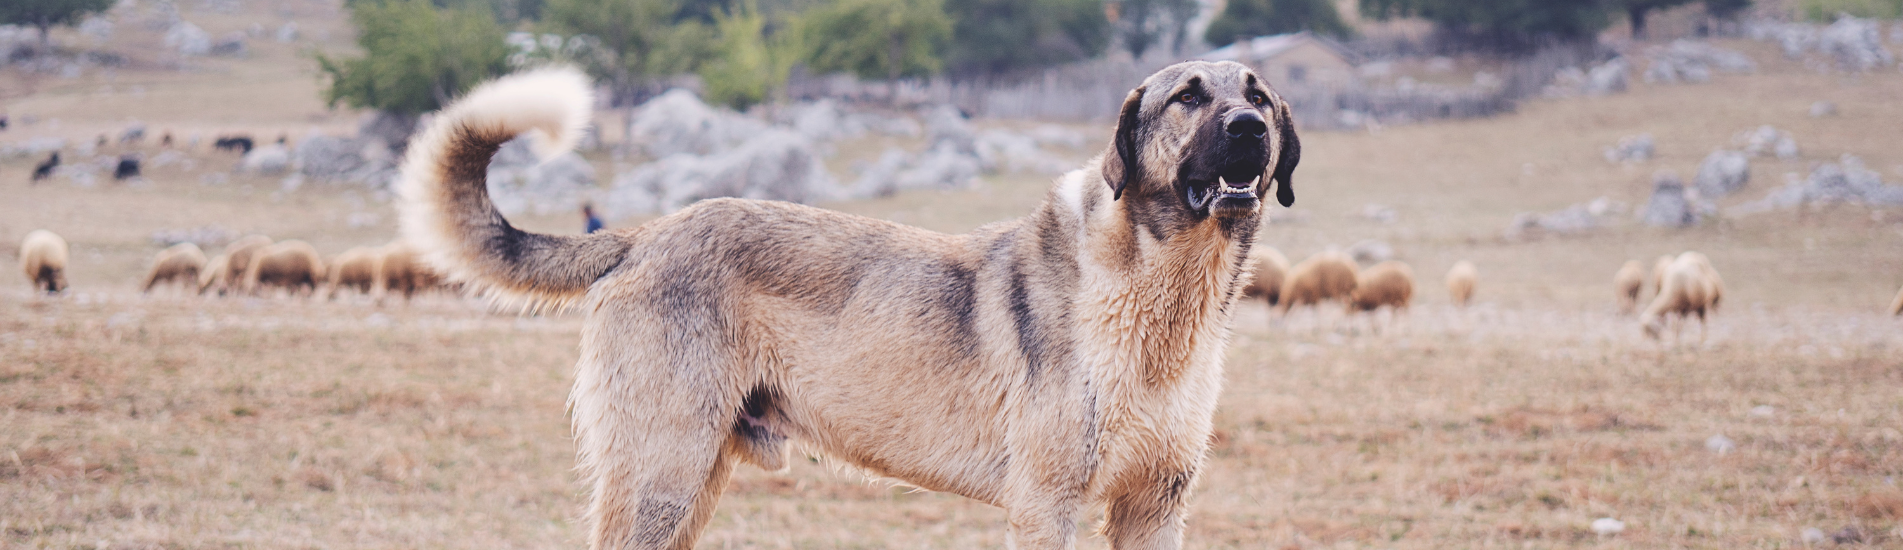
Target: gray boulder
column 1370, row 251
column 1668, row 207
column 1845, row 181
column 1637, row 148
column 520, row 182
column 1768, row 141
column 677, row 122
column 1608, row 78
column 188, row 40
column 775, row 164
column 269, row 159
column 1855, row 44
column 1722, row 173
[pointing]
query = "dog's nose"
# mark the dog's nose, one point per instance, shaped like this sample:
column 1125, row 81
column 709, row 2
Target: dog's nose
column 1245, row 123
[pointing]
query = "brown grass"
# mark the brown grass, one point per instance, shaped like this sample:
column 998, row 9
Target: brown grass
column 167, row 421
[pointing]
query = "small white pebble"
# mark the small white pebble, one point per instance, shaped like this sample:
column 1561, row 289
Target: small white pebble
column 1607, row 527
column 1720, row 444
column 1812, row 535
column 1763, row 411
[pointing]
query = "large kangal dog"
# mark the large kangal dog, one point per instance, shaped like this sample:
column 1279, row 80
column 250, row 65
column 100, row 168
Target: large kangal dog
column 1041, row 365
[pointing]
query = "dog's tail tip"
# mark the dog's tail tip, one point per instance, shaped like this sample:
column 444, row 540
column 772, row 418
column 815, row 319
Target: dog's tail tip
column 551, row 104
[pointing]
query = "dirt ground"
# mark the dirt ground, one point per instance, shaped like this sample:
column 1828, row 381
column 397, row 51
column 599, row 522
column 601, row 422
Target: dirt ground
column 169, row 420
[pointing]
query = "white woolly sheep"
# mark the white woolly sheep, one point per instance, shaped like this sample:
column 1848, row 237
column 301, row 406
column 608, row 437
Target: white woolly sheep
column 1690, row 287
column 43, row 257
column 356, row 269
column 1460, row 282
column 1389, row 283
column 291, row 265
column 1322, row 277
column 404, row 271
column 237, row 259
column 180, row 263
column 1271, row 269
column 1628, row 283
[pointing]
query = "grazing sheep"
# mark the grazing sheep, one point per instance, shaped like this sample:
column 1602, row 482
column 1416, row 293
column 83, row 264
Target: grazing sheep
column 404, row 271
column 181, row 263
column 1896, row 306
column 1629, row 282
column 1322, row 277
column 291, row 265
column 1389, row 283
column 1658, row 273
column 43, row 258
column 357, row 269
column 1460, row 282
column 1271, row 269
column 237, row 259
column 1690, row 287
column 44, row 169
column 214, row 273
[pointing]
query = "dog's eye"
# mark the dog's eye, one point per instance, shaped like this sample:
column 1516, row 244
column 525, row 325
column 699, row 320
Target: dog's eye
column 1187, row 98
column 1257, row 99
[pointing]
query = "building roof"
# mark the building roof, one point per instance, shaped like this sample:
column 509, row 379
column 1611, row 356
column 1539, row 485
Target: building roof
column 1268, row 47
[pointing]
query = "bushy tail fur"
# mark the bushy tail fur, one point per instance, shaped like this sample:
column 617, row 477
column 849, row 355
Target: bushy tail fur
column 445, row 208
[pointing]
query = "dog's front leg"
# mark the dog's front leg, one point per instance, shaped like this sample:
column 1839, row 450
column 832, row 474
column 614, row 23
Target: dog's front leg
column 1045, row 522
column 1148, row 515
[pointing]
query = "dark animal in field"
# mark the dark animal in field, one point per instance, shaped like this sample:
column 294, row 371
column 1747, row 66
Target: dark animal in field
column 45, row 169
column 128, row 168
column 241, row 144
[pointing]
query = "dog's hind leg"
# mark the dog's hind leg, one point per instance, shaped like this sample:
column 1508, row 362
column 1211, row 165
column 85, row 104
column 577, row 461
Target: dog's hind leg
column 1148, row 515
column 654, row 412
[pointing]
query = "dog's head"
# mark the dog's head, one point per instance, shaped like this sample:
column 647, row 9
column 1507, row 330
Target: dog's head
column 1201, row 140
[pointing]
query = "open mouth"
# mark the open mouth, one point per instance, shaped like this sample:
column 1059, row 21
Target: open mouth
column 1223, row 194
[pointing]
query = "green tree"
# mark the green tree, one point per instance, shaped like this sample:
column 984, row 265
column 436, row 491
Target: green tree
column 885, row 39
column 749, row 64
column 1143, row 24
column 417, row 57
column 1636, row 11
column 1504, row 24
column 644, row 39
column 1246, row 18
column 1726, row 9
column 44, row 14
column 994, row 37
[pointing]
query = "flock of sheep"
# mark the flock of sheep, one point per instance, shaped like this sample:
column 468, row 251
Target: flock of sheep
column 1683, row 286
column 252, row 266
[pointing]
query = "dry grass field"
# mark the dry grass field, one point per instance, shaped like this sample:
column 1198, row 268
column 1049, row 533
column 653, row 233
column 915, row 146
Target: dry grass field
column 170, row 421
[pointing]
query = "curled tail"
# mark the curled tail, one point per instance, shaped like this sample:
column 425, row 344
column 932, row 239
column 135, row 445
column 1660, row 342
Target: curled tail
column 445, row 208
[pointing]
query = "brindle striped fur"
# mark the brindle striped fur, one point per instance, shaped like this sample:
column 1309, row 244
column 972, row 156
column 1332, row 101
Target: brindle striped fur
column 1042, row 364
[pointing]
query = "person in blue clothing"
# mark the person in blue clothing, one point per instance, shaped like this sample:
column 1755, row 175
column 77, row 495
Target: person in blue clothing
column 594, row 222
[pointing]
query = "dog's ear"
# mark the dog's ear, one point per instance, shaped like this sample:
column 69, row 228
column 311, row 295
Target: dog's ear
column 1285, row 161
column 1118, row 171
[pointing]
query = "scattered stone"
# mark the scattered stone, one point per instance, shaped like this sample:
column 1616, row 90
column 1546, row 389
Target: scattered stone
column 677, row 122
column 1631, row 149
column 1608, row 78
column 1845, row 181
column 1848, row 535
column 231, row 45
column 1720, row 444
column 1668, row 207
column 1693, row 61
column 1856, row 44
column 288, row 32
column 360, row 160
column 1823, row 109
column 1722, row 173
column 521, row 182
column 1607, row 527
column 271, row 159
column 97, row 28
column 32, row 147
column 1370, row 251
column 776, row 164
column 1768, row 140
column 1763, row 411
column 1812, row 536
column 188, row 39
